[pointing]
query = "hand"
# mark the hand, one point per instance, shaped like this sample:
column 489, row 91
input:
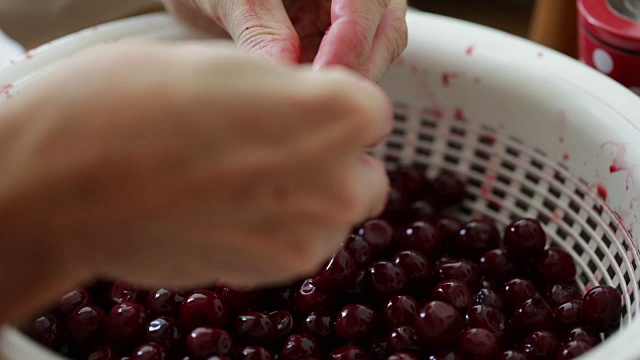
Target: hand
column 237, row 169
column 363, row 35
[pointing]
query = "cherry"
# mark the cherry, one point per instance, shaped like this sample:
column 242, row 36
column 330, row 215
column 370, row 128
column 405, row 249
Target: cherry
column 477, row 237
column 516, row 291
column 349, row 352
column 298, row 347
column 487, row 297
column 72, row 300
column 103, row 352
column 512, row 355
column 204, row 307
column 360, row 250
column 582, row 334
column 454, row 292
column 310, row 297
column 555, row 265
column 413, row 180
column 478, row 343
column 398, row 201
column 403, row 339
column 416, row 267
column 284, row 322
column 238, row 300
column 318, row 323
column 254, row 328
column 167, row 332
column 378, row 348
column 497, row 264
column 149, row 351
column 463, row 270
column 399, row 311
column 281, row 298
column 378, row 233
column 446, row 355
column 524, row 238
column 449, row 228
column 487, row 317
column 126, row 324
column 558, row 294
column 204, row 342
column 572, row 350
column 448, row 189
column 123, row 292
column 384, row 279
column 164, row 302
column 356, row 322
column 602, row 308
column 568, row 315
column 48, row 331
column 423, row 211
column 487, row 283
column 338, row 272
column 420, row 236
column 84, row 326
column 254, row 353
column 357, row 288
column 402, row 356
column 540, row 345
column 533, row 314
column 438, row 324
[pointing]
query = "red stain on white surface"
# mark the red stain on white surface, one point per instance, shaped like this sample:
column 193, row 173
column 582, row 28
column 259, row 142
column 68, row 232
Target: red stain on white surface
column 562, row 124
column 28, row 55
column 6, row 90
column 540, row 54
column 619, row 163
column 448, row 77
column 566, row 157
column 556, row 216
column 488, row 138
column 477, row 79
column 414, row 69
column 458, row 113
column 602, row 191
column 469, row 50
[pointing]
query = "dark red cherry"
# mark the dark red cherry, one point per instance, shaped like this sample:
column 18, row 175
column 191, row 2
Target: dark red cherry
column 84, row 326
column 360, row 250
column 449, row 228
column 446, row 355
column 299, row 347
column 454, row 292
column 254, row 353
column 339, row 272
column 524, row 238
column 497, row 264
column 284, row 322
column 149, row 351
column 103, row 352
column 477, row 237
column 413, row 180
column 512, row 355
column 403, row 339
column 126, row 324
column 400, row 311
column 487, row 283
column 560, row 293
column 204, row 342
column 398, row 202
column 424, row 210
column 540, row 345
column 402, row 356
column 555, row 265
column 204, row 308
column 318, row 323
column 572, row 350
column 238, row 299
column 356, row 322
column 533, row 314
column 379, row 348
column 582, row 333
column 448, row 189
column 568, row 315
column 516, row 291
column 416, row 267
column 164, row 302
column 487, row 297
column 421, row 236
column 378, row 233
column 349, row 352
column 310, row 297
column 167, row 332
column 487, row 317
column 47, row 330
column 357, row 288
column 602, row 308
column 72, row 300
column 478, row 344
column 384, row 279
column 438, row 324
column 123, row 292
column 280, row 298
column 462, row 269
column 254, row 328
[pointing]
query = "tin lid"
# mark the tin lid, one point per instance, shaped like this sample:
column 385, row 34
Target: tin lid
column 616, row 22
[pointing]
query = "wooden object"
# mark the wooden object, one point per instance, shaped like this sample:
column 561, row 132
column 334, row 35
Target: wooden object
column 555, row 24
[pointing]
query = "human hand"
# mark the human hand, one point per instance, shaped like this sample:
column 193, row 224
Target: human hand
column 363, row 35
column 238, row 169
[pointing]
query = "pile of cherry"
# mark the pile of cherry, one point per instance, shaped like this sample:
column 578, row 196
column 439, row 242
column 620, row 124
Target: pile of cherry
column 413, row 284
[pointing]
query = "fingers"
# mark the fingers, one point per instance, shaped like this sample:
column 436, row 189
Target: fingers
column 389, row 42
column 349, row 39
column 258, row 26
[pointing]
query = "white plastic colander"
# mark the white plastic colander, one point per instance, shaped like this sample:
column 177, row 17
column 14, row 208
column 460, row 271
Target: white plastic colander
column 536, row 134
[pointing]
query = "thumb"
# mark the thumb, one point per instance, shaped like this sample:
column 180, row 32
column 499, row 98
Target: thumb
column 258, row 26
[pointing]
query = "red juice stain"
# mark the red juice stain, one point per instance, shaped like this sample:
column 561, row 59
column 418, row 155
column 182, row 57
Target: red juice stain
column 602, row 191
column 561, row 139
column 614, row 168
column 469, row 50
column 477, row 80
column 6, row 90
column 562, row 124
column 565, row 157
column 447, row 77
column 458, row 114
column 556, row 216
column 414, row 69
column 619, row 162
column 488, row 138
column 28, row 55
column 540, row 54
